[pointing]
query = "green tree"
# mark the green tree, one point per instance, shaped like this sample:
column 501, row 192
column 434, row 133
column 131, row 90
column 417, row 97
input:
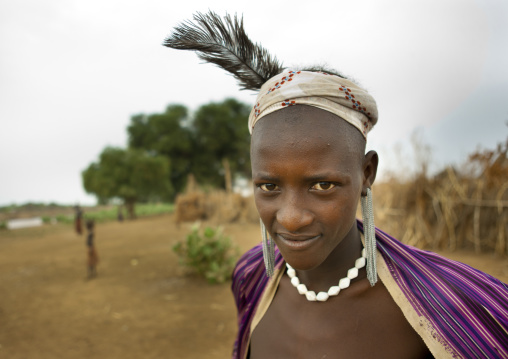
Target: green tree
column 131, row 175
column 166, row 134
column 222, row 138
column 215, row 138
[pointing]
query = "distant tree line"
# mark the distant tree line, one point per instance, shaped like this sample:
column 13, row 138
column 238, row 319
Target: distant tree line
column 164, row 148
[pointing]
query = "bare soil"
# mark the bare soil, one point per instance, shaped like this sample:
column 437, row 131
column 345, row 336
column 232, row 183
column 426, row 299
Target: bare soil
column 141, row 305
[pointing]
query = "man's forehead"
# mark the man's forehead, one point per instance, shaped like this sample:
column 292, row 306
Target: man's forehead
column 299, row 123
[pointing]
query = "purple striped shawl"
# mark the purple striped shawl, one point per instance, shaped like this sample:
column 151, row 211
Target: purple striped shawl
column 466, row 310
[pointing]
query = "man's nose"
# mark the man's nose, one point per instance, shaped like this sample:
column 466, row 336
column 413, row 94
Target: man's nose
column 292, row 214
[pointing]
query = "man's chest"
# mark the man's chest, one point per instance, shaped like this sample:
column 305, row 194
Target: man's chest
column 365, row 324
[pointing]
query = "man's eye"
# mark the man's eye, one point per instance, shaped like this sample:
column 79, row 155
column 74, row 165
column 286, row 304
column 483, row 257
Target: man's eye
column 268, row 187
column 323, row 186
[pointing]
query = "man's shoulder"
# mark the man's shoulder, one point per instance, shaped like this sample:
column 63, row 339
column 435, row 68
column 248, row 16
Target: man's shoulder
column 249, row 276
column 250, row 262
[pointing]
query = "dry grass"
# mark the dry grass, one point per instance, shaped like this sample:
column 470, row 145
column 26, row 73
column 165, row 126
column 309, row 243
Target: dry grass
column 455, row 209
column 217, row 206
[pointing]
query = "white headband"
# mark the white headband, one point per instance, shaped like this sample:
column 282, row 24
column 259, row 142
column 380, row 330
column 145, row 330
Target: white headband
column 328, row 92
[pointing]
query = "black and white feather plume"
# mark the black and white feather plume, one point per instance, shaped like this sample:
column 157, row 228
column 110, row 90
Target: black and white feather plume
column 224, row 42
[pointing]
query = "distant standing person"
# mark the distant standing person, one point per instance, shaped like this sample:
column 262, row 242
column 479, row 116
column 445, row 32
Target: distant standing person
column 120, row 214
column 93, row 258
column 78, row 220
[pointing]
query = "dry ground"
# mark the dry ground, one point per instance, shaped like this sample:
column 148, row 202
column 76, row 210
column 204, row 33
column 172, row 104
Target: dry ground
column 140, row 306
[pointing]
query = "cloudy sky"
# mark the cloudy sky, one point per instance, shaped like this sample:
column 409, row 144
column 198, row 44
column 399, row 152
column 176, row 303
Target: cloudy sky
column 73, row 72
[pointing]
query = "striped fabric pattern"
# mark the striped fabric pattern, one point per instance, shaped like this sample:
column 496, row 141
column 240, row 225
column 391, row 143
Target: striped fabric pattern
column 467, row 310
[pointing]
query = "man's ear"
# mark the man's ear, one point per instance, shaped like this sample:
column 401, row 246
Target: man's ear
column 370, row 163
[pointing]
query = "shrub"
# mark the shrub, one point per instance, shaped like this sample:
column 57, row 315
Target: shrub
column 208, row 253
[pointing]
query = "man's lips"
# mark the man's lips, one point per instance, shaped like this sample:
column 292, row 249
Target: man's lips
column 299, row 237
column 297, row 242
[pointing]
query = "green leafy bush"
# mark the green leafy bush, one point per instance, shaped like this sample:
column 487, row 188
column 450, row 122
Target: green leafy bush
column 208, row 253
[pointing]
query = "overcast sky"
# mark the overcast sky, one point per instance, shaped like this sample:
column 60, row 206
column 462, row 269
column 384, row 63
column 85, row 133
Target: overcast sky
column 73, row 72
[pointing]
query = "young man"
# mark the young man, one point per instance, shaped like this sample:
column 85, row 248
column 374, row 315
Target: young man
column 92, row 256
column 309, row 171
column 321, row 297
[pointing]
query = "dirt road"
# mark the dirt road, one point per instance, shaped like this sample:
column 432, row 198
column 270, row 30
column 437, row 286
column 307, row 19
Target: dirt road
column 140, row 306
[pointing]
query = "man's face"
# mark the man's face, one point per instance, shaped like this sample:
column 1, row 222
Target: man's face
column 307, row 169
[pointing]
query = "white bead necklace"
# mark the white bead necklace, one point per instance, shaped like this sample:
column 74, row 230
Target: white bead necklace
column 334, row 290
